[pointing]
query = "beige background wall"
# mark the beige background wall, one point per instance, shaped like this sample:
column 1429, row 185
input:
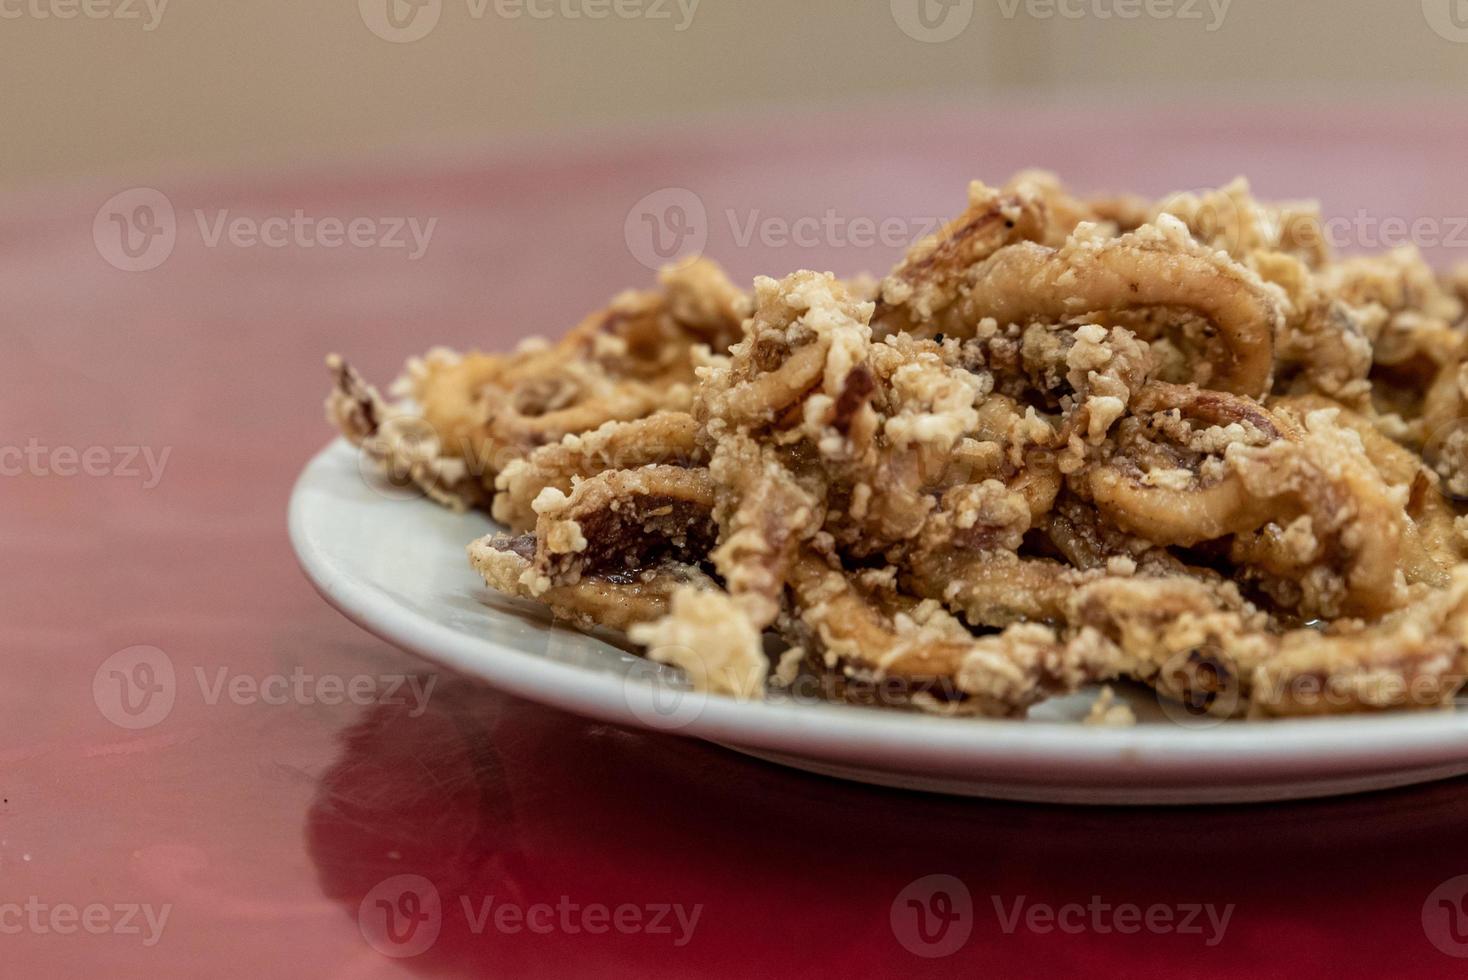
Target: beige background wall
column 223, row 82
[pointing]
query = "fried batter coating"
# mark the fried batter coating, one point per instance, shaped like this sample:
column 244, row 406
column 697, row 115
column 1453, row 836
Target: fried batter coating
column 1066, row 441
column 1166, row 478
column 1157, row 266
column 939, row 269
column 620, row 521
column 480, row 413
column 668, row 438
column 615, row 601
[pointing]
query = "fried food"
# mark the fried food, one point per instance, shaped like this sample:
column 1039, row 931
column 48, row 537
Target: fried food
column 1065, row 442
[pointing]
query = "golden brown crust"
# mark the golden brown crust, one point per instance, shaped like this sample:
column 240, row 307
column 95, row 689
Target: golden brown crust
column 1064, row 442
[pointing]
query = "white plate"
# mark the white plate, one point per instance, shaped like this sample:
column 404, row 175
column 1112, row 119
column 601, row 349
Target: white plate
column 397, row 567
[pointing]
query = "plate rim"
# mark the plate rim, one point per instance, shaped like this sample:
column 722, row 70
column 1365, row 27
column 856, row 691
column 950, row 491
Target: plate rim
column 1309, row 746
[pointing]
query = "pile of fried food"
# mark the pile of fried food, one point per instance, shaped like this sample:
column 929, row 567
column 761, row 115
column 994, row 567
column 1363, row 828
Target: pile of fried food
column 1064, row 442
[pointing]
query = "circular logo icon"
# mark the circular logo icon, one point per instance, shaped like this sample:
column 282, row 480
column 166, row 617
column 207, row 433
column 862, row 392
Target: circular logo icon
column 135, row 688
column 667, row 227
column 933, row 916
column 1198, row 688
column 660, row 697
column 397, row 456
column 401, row 916
column 135, row 231
column 932, row 21
column 1445, row 917
column 400, row 21
column 1447, row 18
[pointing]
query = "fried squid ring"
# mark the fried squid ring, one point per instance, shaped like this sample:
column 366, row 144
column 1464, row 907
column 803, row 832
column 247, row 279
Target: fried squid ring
column 993, row 589
column 1229, row 218
column 1334, row 540
column 621, row 521
column 922, row 646
column 613, row 600
column 767, row 517
column 1444, row 427
column 1415, row 658
column 1150, row 268
column 571, row 398
column 1195, row 642
column 1431, row 545
column 1205, row 648
column 936, row 270
column 1325, row 346
column 806, row 331
column 492, row 409
column 482, row 412
column 1156, row 486
column 666, row 438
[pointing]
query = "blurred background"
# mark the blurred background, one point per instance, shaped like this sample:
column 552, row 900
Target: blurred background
column 102, row 86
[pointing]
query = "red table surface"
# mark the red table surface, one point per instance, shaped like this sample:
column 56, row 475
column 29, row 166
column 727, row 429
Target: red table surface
column 266, row 830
